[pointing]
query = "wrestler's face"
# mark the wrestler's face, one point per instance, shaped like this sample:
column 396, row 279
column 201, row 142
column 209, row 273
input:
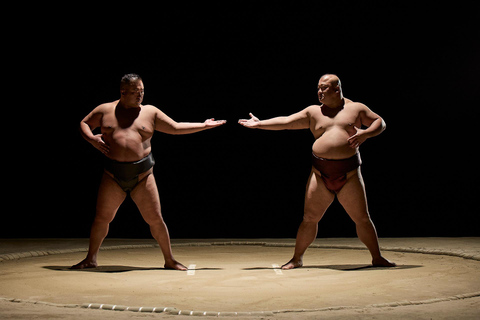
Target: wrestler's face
column 325, row 90
column 132, row 95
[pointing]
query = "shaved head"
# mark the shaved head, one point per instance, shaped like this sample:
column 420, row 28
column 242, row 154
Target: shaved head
column 333, row 79
column 330, row 90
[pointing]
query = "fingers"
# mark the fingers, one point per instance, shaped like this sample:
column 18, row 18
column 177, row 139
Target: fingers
column 245, row 123
column 354, row 142
column 220, row 122
column 104, row 148
column 252, row 117
column 211, row 123
column 217, row 121
column 252, row 122
column 100, row 144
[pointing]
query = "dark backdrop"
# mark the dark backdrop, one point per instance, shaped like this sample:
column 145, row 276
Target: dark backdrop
column 416, row 67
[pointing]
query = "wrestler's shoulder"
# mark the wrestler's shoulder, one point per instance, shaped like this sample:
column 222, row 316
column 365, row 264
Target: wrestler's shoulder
column 151, row 111
column 150, row 108
column 354, row 104
column 106, row 107
column 312, row 109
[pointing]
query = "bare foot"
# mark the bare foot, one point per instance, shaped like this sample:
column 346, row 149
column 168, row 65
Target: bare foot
column 294, row 263
column 382, row 262
column 85, row 264
column 175, row 265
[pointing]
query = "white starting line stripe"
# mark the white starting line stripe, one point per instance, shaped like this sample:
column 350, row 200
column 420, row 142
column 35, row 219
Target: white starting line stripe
column 191, row 270
column 277, row 269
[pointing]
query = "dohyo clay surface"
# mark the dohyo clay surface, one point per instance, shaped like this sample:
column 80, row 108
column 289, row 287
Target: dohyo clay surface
column 242, row 277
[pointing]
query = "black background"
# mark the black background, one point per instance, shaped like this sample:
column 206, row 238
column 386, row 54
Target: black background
column 416, row 66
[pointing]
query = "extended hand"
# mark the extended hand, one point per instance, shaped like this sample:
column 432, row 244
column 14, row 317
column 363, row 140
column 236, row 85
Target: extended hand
column 250, row 123
column 358, row 138
column 212, row 123
column 98, row 143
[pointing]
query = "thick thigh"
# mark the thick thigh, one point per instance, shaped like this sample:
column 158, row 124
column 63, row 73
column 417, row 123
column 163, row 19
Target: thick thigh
column 353, row 197
column 110, row 197
column 145, row 195
column 317, row 198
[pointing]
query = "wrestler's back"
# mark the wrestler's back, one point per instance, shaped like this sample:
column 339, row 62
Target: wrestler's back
column 128, row 133
column 332, row 129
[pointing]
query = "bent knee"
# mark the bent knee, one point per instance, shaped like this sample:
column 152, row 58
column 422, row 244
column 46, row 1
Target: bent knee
column 101, row 219
column 363, row 221
column 312, row 216
column 153, row 219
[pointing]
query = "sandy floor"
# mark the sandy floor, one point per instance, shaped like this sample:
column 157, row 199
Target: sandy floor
column 436, row 278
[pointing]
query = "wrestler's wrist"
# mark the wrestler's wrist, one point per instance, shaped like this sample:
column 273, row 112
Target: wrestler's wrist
column 368, row 134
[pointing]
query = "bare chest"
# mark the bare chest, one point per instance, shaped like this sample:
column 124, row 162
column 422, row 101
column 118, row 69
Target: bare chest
column 133, row 126
column 344, row 120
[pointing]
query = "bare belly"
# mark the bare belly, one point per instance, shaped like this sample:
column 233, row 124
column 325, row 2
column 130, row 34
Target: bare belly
column 333, row 144
column 126, row 149
column 127, row 155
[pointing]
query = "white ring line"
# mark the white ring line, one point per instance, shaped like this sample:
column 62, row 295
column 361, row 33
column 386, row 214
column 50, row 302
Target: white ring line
column 277, row 269
column 373, row 306
column 271, row 313
column 191, row 270
column 451, row 253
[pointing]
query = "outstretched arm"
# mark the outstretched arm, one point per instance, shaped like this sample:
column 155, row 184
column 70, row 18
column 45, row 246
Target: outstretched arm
column 296, row 121
column 165, row 124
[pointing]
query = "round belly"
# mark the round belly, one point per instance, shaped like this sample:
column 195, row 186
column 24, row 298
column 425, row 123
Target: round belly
column 333, row 144
column 126, row 147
